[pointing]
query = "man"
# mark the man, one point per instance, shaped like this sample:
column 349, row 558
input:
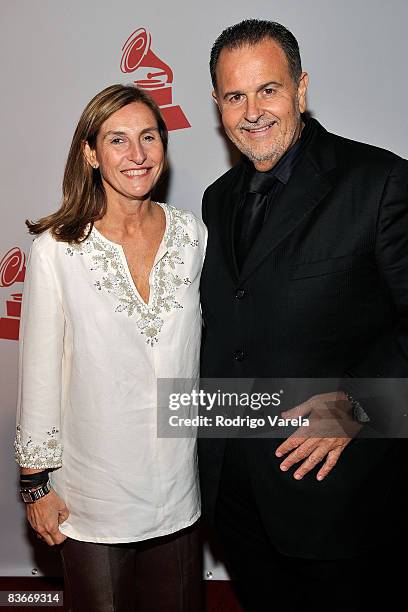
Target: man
column 305, row 276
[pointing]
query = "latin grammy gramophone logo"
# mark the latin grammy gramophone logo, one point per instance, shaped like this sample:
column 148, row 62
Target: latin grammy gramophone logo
column 12, row 270
column 154, row 76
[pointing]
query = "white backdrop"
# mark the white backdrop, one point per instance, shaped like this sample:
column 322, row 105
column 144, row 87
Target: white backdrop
column 56, row 55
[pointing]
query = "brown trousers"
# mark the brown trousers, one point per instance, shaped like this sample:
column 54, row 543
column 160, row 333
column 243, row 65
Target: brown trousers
column 158, row 575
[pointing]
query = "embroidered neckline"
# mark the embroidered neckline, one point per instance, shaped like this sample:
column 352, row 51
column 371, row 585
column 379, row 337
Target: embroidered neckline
column 109, row 258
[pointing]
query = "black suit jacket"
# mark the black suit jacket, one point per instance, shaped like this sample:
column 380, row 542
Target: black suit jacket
column 323, row 293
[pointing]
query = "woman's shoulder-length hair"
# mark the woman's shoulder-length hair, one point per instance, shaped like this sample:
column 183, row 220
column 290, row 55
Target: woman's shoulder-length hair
column 83, row 194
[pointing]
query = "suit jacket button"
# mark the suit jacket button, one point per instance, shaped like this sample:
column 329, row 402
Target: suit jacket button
column 239, row 355
column 240, row 293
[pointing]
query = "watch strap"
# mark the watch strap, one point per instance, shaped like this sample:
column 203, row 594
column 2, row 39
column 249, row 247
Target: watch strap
column 30, row 496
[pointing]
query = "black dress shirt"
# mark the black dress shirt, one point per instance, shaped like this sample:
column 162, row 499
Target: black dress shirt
column 261, row 191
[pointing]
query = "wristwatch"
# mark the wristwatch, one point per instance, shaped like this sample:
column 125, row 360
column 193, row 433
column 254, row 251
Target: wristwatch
column 30, row 496
column 359, row 413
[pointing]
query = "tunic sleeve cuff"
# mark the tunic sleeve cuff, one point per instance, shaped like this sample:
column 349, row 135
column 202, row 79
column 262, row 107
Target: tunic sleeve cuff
column 43, row 454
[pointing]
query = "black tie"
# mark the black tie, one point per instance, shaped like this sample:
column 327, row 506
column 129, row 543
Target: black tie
column 252, row 213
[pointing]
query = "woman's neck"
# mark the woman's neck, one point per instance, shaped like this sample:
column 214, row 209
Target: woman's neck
column 126, row 217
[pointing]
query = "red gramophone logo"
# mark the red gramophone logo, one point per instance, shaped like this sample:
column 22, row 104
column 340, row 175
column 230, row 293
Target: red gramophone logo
column 155, row 76
column 12, row 270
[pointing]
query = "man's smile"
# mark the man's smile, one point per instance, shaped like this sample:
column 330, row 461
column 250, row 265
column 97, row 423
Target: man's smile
column 258, row 131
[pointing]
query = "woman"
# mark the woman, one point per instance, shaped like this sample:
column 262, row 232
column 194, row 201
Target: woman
column 110, row 305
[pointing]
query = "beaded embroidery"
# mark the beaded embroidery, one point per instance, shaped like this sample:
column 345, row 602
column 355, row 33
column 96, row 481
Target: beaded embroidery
column 106, row 257
column 46, row 454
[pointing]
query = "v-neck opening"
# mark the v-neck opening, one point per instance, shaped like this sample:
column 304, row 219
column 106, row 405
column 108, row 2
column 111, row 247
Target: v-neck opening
column 161, row 251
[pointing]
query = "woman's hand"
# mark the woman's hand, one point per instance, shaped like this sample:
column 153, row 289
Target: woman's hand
column 45, row 515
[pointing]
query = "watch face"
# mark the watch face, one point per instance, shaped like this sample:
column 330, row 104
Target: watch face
column 26, row 496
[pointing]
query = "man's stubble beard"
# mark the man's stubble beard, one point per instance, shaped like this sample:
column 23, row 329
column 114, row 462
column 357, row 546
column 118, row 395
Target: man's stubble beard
column 277, row 148
column 273, row 155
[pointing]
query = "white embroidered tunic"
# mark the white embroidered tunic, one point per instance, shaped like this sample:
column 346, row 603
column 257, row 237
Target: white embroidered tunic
column 91, row 351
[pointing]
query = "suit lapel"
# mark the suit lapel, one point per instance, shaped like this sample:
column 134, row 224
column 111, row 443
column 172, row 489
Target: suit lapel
column 308, row 185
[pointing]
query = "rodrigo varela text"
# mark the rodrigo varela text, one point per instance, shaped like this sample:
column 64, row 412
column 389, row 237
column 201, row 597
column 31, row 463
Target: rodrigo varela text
column 238, row 421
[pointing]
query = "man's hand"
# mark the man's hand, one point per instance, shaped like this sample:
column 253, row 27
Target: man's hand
column 331, row 428
column 45, row 515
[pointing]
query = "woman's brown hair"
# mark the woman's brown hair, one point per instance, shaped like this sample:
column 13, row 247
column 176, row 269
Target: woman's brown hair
column 84, row 198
